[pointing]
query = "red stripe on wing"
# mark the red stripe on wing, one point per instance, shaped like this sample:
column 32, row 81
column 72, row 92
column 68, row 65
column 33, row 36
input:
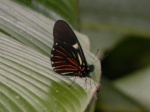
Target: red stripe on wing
column 67, row 69
column 64, row 50
column 58, row 57
column 59, row 62
column 72, row 61
column 68, row 66
column 60, row 52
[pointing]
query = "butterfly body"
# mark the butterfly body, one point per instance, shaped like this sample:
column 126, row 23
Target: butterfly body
column 67, row 56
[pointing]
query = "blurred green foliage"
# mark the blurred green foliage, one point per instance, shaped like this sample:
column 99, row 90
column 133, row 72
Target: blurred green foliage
column 120, row 29
column 128, row 56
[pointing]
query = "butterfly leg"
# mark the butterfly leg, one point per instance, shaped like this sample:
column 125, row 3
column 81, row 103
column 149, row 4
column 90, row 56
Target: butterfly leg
column 86, row 83
column 86, row 79
column 97, row 86
column 72, row 82
column 90, row 83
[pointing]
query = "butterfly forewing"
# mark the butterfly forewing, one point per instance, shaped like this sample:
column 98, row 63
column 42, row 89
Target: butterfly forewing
column 62, row 32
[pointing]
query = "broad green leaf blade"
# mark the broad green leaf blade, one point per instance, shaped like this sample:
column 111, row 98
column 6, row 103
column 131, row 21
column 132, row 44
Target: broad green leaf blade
column 56, row 9
column 20, row 22
column 27, row 82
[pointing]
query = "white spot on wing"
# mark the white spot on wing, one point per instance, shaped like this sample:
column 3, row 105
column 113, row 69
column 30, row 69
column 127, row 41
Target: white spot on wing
column 79, row 59
column 75, row 46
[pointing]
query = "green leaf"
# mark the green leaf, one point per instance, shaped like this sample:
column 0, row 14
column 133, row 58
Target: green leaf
column 56, row 9
column 107, row 22
column 136, row 85
column 27, row 81
column 113, row 99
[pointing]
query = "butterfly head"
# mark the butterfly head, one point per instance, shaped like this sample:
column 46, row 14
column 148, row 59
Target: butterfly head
column 90, row 68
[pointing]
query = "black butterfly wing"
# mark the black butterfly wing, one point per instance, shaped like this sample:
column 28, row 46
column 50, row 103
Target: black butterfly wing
column 67, row 55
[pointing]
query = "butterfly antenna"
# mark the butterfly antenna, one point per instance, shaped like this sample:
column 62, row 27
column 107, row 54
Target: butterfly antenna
column 95, row 61
column 95, row 56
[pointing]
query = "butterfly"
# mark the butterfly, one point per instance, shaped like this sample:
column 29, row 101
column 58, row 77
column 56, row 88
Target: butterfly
column 67, row 57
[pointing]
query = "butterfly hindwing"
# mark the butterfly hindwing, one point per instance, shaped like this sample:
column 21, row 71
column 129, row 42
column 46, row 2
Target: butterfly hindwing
column 64, row 60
